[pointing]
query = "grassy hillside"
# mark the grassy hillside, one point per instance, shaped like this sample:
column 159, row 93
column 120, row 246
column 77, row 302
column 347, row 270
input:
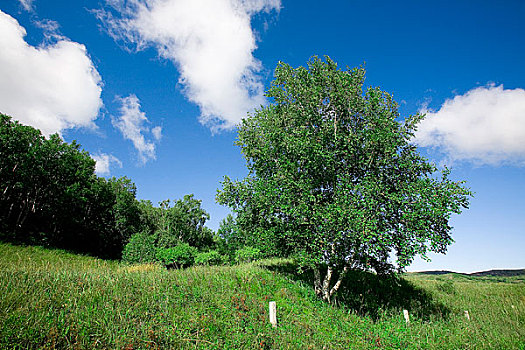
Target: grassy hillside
column 53, row 299
column 517, row 275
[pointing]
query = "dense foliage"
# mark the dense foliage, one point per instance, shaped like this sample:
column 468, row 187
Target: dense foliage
column 50, row 195
column 210, row 258
column 178, row 256
column 140, row 249
column 229, row 237
column 335, row 180
column 247, row 254
column 179, row 221
column 175, row 232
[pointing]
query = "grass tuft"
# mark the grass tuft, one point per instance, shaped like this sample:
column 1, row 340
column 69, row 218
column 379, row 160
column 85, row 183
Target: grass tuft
column 141, row 268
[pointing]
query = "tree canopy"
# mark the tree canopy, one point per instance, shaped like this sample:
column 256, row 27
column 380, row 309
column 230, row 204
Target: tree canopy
column 334, row 179
column 179, row 221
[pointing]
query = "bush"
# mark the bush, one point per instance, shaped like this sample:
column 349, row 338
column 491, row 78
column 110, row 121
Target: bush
column 140, row 249
column 210, row 258
column 181, row 255
column 247, row 254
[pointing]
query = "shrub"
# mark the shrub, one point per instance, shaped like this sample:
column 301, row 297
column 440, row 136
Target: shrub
column 181, row 255
column 247, row 254
column 140, row 249
column 210, row 258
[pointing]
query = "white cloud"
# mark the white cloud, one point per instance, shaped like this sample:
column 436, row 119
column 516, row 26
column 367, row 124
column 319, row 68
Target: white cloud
column 50, row 28
column 27, row 4
column 157, row 132
column 210, row 41
column 131, row 124
column 486, row 125
column 104, row 162
column 51, row 87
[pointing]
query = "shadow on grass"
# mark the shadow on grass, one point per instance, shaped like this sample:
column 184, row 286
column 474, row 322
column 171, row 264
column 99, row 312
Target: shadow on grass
column 371, row 295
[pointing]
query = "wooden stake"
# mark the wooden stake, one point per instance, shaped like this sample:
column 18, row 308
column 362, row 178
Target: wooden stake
column 273, row 313
column 467, row 316
column 407, row 318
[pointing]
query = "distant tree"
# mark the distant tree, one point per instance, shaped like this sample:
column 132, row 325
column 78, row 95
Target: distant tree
column 115, row 216
column 230, row 232
column 335, row 180
column 188, row 222
column 175, row 222
column 229, row 238
column 148, row 216
column 125, row 208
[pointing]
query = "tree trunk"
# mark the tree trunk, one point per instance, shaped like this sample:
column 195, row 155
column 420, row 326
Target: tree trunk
column 337, row 284
column 10, row 210
column 20, row 214
column 317, row 281
column 324, row 289
column 326, row 284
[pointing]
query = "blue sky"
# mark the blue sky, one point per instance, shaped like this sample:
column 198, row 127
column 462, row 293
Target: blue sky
column 153, row 90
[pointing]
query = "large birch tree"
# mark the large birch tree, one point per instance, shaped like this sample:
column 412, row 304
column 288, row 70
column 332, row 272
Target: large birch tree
column 334, row 179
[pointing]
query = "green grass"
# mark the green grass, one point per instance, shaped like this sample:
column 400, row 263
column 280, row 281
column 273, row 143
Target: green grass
column 53, row 299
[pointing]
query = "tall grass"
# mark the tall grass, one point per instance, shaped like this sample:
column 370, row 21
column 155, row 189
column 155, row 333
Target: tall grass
column 53, row 299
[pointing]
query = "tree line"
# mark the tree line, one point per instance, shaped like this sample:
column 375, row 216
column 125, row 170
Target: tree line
column 50, row 195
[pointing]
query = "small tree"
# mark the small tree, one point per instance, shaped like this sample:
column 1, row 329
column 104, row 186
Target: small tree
column 140, row 249
column 335, row 180
column 229, row 238
column 180, row 221
column 179, row 256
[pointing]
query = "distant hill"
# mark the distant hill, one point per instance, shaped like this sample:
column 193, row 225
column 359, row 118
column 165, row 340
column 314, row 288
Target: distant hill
column 497, row 273
column 506, row 273
column 436, row 272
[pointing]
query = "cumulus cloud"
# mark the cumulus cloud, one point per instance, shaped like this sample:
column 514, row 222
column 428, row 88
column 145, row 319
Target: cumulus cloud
column 51, row 87
column 486, row 125
column 104, row 162
column 210, row 41
column 132, row 123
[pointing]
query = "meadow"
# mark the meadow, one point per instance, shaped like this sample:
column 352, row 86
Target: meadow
column 54, row 299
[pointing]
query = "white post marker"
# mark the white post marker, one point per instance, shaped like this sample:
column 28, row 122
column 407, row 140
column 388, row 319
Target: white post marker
column 467, row 316
column 273, row 313
column 407, row 319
